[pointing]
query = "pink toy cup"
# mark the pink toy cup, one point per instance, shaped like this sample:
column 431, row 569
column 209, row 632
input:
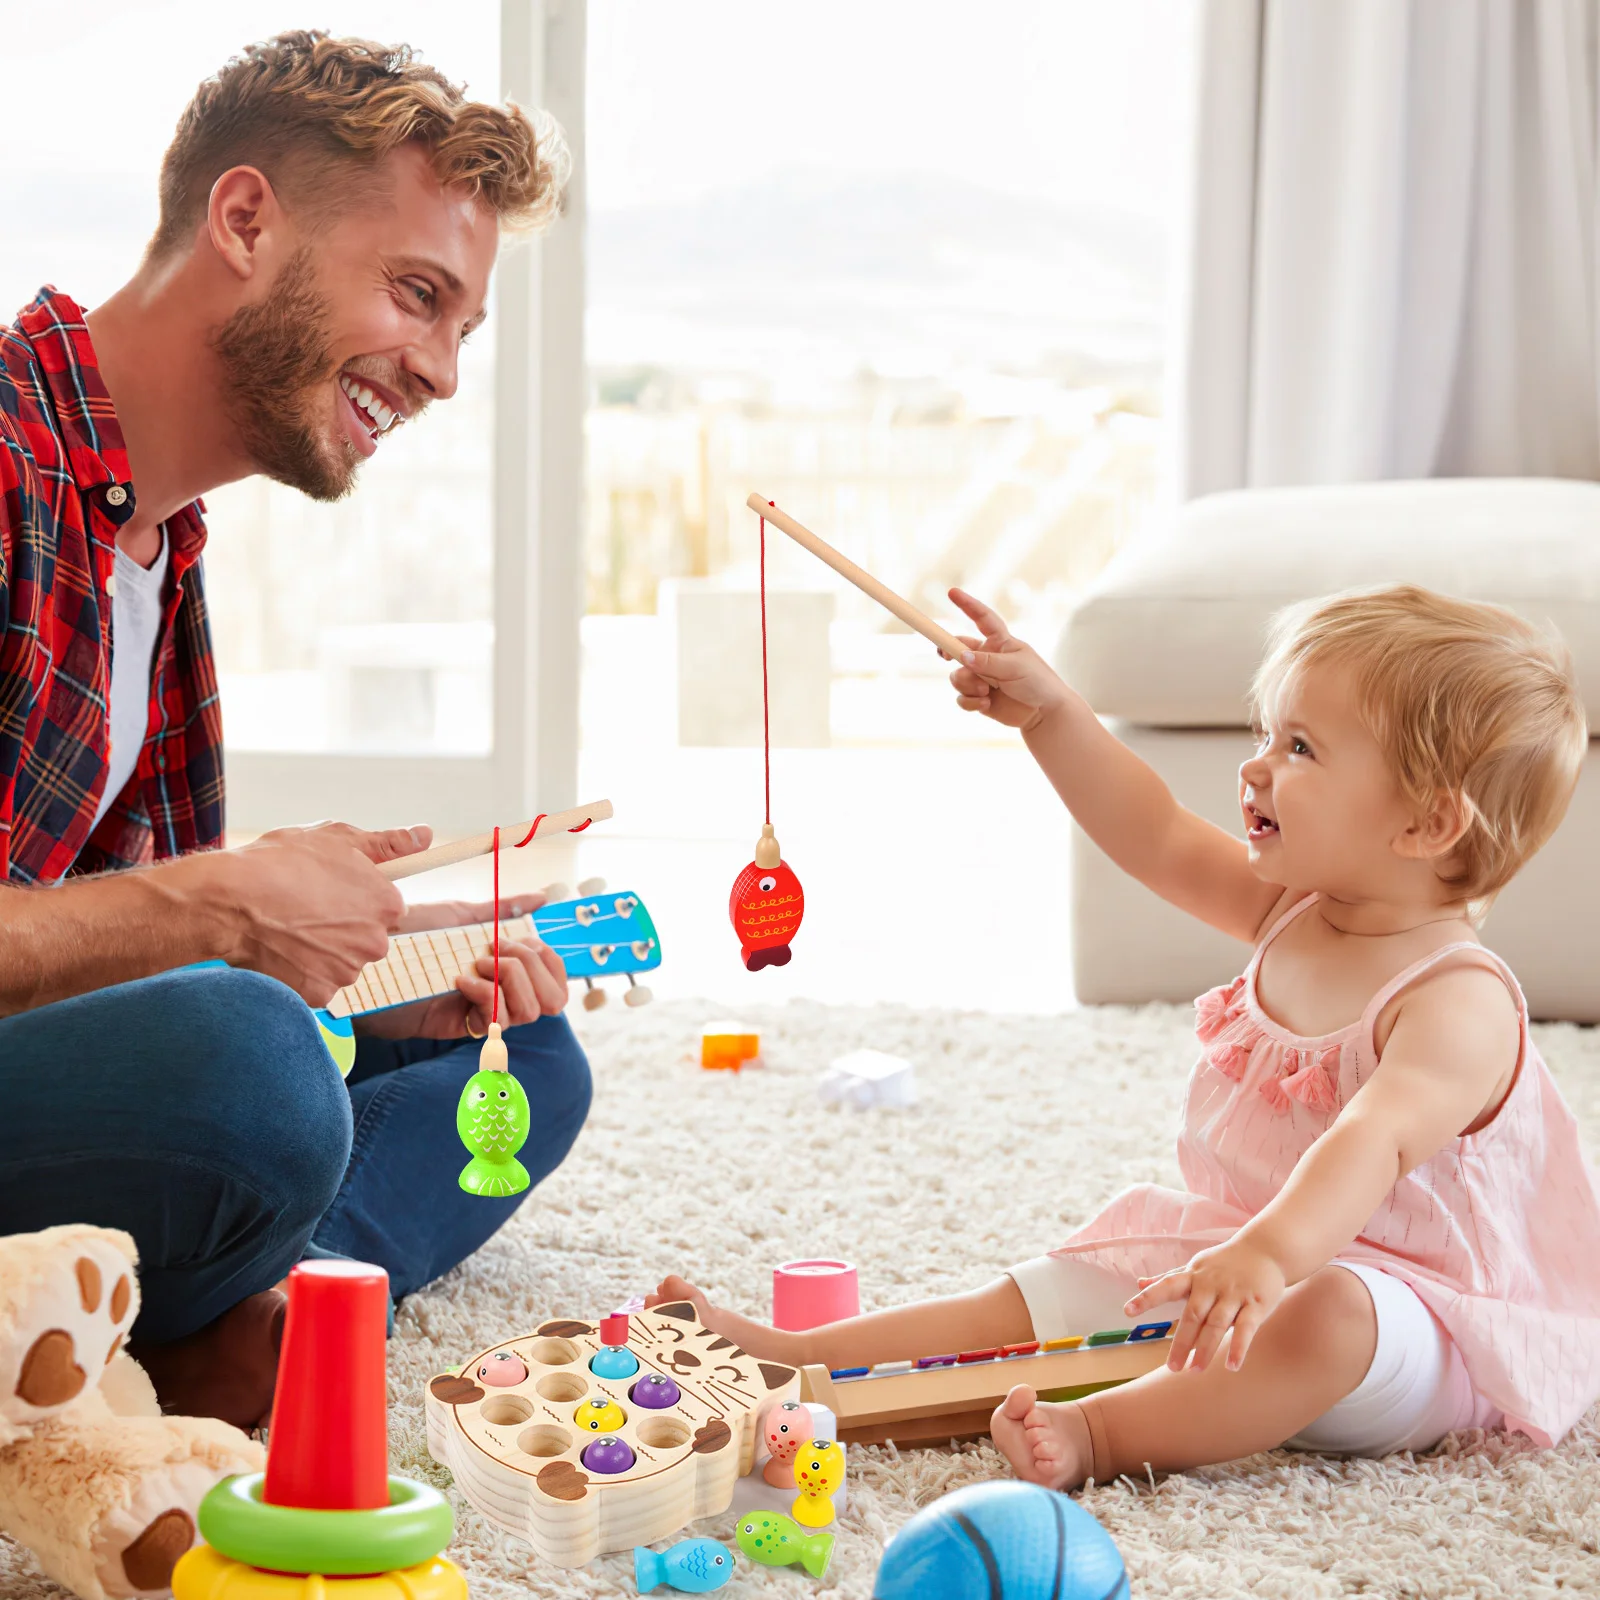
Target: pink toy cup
column 806, row 1294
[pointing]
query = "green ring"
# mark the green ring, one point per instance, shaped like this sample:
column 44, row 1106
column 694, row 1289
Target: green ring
column 415, row 1526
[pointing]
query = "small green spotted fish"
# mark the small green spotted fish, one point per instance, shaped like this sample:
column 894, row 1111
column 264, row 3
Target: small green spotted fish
column 493, row 1119
column 775, row 1541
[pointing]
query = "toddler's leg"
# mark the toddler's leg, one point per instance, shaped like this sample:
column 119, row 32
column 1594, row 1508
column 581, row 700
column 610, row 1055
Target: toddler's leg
column 994, row 1314
column 1308, row 1355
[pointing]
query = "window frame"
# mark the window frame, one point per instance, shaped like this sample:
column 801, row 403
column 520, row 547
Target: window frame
column 538, row 453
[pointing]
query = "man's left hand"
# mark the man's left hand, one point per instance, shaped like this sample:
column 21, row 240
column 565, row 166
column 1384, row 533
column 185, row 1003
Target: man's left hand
column 533, row 982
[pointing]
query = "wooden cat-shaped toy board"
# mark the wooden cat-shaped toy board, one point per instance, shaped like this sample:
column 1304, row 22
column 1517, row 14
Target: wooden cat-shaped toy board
column 540, row 1442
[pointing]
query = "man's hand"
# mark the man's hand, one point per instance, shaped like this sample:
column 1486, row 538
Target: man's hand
column 1006, row 679
column 311, row 907
column 533, row 982
column 467, row 913
column 1234, row 1285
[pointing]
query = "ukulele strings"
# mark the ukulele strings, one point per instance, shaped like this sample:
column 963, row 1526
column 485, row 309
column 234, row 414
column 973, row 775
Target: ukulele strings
column 527, row 838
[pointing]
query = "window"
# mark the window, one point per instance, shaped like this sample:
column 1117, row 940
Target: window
column 903, row 270
column 356, row 642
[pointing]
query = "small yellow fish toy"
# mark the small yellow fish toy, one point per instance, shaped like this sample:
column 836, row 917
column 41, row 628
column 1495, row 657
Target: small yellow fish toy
column 600, row 1415
column 818, row 1472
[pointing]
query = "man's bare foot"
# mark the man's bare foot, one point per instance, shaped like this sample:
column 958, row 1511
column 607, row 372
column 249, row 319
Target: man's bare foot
column 1045, row 1441
column 767, row 1344
column 228, row 1369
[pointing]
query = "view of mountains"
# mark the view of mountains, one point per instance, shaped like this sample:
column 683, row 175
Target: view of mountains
column 907, row 275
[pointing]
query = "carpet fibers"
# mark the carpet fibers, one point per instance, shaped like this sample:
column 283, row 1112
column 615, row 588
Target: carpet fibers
column 1024, row 1126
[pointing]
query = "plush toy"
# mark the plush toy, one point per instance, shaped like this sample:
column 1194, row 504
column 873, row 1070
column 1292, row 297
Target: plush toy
column 93, row 1479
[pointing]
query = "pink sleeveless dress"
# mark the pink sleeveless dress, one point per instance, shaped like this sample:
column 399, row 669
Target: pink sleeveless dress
column 1498, row 1234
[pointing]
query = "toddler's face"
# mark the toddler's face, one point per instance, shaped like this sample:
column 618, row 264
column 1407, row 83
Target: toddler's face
column 1321, row 809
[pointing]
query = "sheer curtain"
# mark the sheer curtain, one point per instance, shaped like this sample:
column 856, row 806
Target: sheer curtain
column 1392, row 269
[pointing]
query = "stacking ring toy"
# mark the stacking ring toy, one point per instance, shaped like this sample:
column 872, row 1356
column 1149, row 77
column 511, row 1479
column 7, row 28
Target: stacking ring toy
column 416, row 1525
column 206, row 1574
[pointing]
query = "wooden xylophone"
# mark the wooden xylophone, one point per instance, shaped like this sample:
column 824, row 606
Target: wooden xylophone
column 937, row 1398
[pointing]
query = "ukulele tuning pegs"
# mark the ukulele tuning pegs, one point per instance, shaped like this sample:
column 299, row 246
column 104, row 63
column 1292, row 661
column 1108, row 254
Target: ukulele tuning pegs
column 554, row 892
column 593, row 998
column 592, row 886
column 638, row 994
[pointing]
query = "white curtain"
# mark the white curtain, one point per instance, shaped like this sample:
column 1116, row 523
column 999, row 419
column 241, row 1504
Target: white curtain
column 1392, row 262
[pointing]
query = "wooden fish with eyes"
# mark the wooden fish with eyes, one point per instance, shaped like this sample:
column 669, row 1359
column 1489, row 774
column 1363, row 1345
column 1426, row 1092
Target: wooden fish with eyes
column 766, row 906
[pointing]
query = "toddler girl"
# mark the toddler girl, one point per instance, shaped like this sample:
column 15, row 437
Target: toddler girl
column 1390, row 1230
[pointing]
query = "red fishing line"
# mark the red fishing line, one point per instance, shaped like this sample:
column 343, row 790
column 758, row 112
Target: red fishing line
column 766, row 726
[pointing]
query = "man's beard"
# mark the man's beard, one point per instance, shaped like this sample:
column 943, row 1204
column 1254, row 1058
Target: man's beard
column 275, row 357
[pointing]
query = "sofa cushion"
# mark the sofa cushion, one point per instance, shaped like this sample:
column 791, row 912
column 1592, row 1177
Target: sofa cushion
column 1172, row 632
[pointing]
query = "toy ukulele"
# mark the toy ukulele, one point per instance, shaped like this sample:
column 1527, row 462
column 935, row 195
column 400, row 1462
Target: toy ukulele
column 767, row 902
column 597, row 935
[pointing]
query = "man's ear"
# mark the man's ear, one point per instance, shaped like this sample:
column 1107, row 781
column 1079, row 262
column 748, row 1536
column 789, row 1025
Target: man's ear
column 1439, row 829
column 242, row 212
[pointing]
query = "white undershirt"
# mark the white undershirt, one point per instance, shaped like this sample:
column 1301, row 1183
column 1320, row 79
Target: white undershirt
column 135, row 625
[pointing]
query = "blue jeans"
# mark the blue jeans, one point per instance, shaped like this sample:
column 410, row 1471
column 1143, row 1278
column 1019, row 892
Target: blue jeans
column 200, row 1112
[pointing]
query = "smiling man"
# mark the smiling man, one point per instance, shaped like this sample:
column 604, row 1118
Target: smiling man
column 330, row 215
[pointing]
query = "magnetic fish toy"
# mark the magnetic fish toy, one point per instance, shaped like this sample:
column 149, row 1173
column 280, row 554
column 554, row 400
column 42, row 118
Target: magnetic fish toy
column 775, row 1541
column 788, row 1426
column 766, row 906
column 493, row 1120
column 600, row 1415
column 695, row 1566
column 818, row 1472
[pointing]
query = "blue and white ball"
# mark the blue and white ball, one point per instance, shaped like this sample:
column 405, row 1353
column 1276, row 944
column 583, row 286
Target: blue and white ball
column 1002, row 1541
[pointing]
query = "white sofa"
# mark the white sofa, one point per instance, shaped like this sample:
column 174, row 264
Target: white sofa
column 1165, row 644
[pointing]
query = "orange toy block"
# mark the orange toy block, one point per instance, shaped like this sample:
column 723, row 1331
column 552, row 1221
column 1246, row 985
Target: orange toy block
column 726, row 1046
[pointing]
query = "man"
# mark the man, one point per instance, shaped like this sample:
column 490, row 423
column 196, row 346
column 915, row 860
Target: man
column 330, row 215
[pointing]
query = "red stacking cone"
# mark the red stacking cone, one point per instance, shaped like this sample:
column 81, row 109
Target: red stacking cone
column 328, row 1449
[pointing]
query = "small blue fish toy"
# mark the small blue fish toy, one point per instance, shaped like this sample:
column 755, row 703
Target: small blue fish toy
column 696, row 1566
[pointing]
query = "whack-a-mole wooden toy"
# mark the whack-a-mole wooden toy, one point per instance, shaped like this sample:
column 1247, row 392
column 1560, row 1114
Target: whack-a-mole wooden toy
column 583, row 1442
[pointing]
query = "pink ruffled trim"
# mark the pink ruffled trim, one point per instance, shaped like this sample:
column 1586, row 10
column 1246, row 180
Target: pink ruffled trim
column 1216, row 1008
column 1232, row 1036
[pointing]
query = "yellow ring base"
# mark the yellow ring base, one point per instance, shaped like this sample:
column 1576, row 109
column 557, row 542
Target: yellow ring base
column 205, row 1574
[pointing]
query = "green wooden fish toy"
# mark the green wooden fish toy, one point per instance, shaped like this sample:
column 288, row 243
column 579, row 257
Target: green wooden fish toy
column 493, row 1120
column 776, row 1541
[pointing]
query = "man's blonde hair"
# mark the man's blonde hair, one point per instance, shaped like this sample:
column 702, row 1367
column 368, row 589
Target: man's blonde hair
column 1463, row 698
column 317, row 114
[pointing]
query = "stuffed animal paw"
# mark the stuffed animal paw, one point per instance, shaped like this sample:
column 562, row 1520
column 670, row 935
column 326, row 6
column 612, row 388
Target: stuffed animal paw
column 99, row 1485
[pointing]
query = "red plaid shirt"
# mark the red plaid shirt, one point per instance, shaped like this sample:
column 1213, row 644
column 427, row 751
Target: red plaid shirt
column 65, row 489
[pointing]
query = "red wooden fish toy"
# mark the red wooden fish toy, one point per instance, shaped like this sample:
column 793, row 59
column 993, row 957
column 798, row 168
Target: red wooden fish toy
column 766, row 906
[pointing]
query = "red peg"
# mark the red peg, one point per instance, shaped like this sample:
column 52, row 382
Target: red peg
column 614, row 1329
column 328, row 1448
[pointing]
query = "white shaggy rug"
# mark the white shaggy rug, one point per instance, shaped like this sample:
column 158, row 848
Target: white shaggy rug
column 1025, row 1125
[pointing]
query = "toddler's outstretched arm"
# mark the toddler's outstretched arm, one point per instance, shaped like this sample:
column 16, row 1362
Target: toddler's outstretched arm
column 1117, row 799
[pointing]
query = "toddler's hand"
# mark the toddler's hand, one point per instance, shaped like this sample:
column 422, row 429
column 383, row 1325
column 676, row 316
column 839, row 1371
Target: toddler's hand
column 1233, row 1285
column 1006, row 679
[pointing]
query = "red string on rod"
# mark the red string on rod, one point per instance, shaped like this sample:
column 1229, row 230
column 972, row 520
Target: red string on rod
column 495, row 1010
column 766, row 726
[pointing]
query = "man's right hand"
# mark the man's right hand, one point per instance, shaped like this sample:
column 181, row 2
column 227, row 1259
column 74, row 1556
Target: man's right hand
column 309, row 906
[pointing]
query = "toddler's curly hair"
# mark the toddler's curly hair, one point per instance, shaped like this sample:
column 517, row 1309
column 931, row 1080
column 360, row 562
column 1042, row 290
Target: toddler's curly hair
column 317, row 114
column 1463, row 698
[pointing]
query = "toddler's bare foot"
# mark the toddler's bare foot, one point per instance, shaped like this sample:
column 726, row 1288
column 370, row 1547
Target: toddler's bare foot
column 1045, row 1441
column 768, row 1344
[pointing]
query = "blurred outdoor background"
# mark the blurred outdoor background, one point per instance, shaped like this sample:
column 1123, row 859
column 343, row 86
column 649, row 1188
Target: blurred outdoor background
column 905, row 274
